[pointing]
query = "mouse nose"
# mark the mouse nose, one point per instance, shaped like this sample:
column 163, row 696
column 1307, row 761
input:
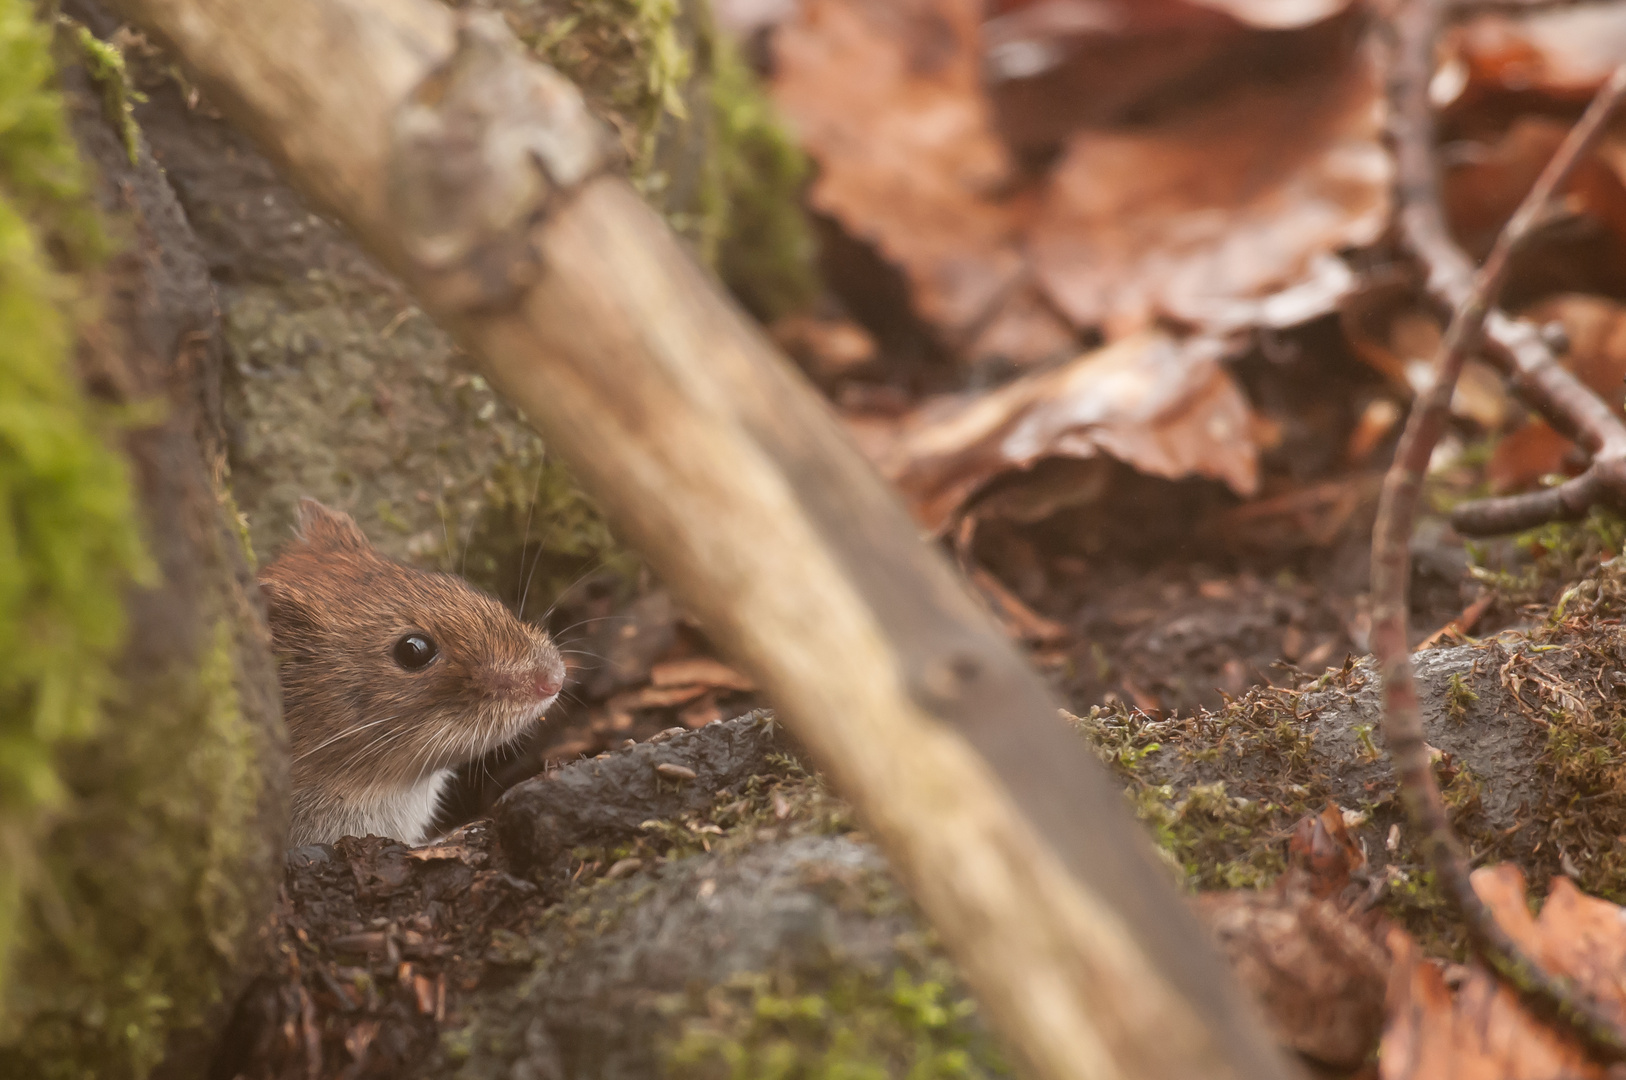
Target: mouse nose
column 549, row 682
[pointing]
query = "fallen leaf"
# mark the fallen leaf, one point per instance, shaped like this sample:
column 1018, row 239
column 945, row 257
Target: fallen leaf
column 654, row 697
column 1595, row 329
column 1164, row 406
column 700, row 671
column 1208, row 217
column 702, row 712
column 1524, row 455
column 1315, row 515
column 1276, row 14
column 1323, row 850
column 1484, row 182
column 1479, row 1029
column 1377, row 419
column 1318, row 973
column 1564, row 52
column 1459, row 626
column 1057, row 65
column 887, row 96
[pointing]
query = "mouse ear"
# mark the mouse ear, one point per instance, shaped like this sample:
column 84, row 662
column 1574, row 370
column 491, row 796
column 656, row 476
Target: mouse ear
column 287, row 610
column 328, row 530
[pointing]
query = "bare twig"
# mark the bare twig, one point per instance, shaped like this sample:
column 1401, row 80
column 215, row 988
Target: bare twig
column 1448, row 272
column 1514, row 346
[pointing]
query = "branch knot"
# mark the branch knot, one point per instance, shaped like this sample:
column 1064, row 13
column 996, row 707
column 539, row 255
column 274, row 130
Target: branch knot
column 483, row 150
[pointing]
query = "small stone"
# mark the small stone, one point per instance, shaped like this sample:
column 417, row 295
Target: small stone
column 310, row 855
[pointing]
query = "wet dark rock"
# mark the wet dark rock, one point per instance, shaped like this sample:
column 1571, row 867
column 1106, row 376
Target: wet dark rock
column 608, row 799
column 607, row 1004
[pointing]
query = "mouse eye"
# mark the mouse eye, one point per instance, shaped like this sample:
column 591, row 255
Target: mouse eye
column 414, row 651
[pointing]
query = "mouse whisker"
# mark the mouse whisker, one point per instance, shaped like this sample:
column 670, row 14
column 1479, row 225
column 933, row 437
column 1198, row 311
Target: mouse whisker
column 437, row 744
column 468, row 538
column 595, row 619
column 592, row 568
column 583, row 652
column 343, row 735
column 445, row 532
column 536, row 497
column 377, row 745
column 373, row 749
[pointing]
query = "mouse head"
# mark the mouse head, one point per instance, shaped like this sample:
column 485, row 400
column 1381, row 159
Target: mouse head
column 390, row 673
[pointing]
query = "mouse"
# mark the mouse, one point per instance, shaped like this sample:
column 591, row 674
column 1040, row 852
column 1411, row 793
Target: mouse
column 391, row 678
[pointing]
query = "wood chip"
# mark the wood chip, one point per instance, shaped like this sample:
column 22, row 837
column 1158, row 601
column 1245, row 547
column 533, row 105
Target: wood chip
column 424, row 990
column 654, row 697
column 623, row 867
column 699, row 671
column 370, row 942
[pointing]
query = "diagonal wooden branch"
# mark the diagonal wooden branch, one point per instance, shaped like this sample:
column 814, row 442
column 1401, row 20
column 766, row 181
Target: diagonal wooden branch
column 473, row 174
column 1418, row 24
column 1514, row 346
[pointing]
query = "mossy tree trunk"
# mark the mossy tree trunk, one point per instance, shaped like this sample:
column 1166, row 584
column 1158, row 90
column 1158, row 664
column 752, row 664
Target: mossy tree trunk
column 155, row 856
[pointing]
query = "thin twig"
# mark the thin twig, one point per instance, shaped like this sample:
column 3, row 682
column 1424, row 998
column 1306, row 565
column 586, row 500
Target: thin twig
column 1418, row 24
column 1514, row 346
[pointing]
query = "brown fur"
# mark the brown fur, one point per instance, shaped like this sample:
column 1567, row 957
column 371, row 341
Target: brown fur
column 371, row 742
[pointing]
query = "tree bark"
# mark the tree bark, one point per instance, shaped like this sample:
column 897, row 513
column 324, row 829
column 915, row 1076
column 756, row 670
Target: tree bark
column 739, row 487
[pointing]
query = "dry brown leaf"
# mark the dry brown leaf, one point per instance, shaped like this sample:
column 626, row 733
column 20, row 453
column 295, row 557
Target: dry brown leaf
column 1564, row 52
column 702, row 712
column 1596, row 331
column 1056, row 65
column 1524, row 455
column 653, row 697
column 1317, row 972
column 1223, row 218
column 1276, row 14
column 886, row 95
column 1315, row 515
column 1484, row 182
column 700, row 671
column 1164, row 406
column 1323, row 850
column 1479, row 1030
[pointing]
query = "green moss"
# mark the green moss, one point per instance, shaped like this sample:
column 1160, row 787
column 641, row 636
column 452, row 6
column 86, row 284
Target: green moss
column 146, row 901
column 1551, row 556
column 40, row 172
column 634, row 60
column 1215, row 837
column 104, row 63
column 1217, row 840
column 786, row 798
column 1459, row 697
column 705, row 145
column 766, row 251
column 68, row 543
column 863, row 1026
